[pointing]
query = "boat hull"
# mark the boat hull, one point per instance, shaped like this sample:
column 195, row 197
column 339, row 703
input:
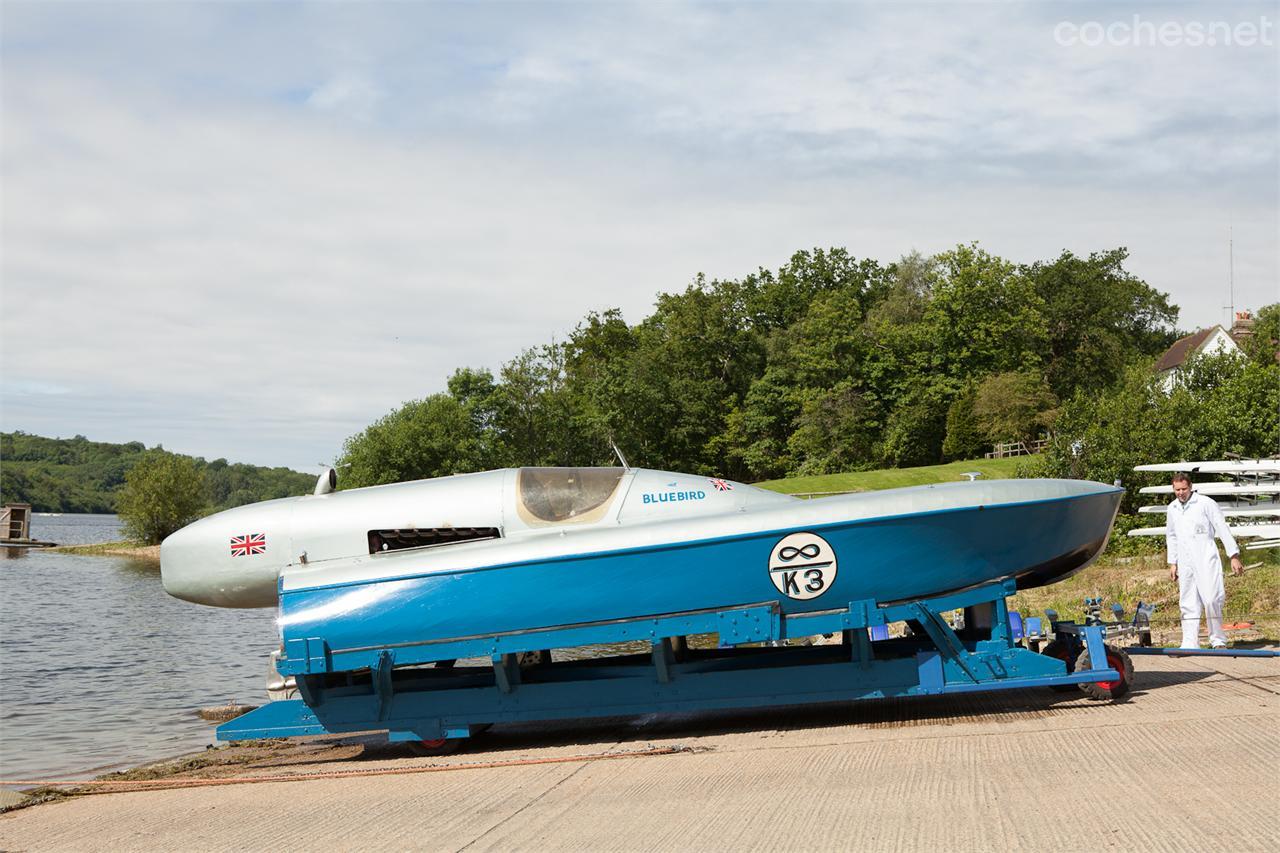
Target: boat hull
column 892, row 558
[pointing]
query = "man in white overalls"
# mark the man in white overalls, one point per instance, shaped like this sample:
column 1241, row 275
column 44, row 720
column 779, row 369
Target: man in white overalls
column 1193, row 520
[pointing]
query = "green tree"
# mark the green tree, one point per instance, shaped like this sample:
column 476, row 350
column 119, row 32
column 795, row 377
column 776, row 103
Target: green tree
column 953, row 321
column 812, row 400
column 1013, row 406
column 837, row 430
column 1263, row 346
column 760, row 430
column 917, row 426
column 535, row 420
column 1098, row 318
column 775, row 300
column 434, row 437
column 965, row 437
column 606, row 382
column 984, row 317
column 693, row 362
column 478, row 394
column 162, row 492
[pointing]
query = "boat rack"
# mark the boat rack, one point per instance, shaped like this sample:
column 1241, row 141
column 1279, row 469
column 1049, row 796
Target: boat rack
column 416, row 692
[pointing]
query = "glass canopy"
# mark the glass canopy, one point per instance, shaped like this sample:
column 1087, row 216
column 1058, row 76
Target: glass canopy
column 557, row 495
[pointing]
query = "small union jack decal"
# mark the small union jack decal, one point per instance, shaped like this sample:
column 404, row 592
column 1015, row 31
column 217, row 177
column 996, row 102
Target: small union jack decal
column 721, row 485
column 249, row 544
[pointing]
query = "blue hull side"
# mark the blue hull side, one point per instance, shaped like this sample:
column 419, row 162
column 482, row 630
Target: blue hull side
column 888, row 559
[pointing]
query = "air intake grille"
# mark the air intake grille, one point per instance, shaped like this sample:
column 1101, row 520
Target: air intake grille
column 415, row 537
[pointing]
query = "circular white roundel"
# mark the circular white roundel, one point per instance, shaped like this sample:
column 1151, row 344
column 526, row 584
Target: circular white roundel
column 802, row 565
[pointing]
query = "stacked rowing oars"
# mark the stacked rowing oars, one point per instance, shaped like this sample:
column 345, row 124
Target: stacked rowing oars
column 1250, row 501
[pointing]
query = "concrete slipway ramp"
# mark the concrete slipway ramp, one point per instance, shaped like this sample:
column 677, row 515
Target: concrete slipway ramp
column 1190, row 762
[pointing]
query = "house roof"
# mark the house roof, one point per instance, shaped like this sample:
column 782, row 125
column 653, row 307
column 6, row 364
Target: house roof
column 1184, row 347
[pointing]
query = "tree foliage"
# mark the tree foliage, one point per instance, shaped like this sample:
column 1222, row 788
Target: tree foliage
column 433, row 437
column 162, row 492
column 1263, row 346
column 1013, row 406
column 1098, row 318
column 827, row 363
column 965, row 439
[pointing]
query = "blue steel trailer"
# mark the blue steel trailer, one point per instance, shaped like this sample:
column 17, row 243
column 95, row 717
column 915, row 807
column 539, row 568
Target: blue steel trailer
column 432, row 699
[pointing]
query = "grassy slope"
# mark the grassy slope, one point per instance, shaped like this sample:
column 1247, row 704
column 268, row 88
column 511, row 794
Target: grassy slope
column 1255, row 597
column 893, row 478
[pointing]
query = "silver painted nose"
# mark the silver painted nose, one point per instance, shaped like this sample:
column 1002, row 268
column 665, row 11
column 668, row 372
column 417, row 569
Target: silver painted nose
column 230, row 559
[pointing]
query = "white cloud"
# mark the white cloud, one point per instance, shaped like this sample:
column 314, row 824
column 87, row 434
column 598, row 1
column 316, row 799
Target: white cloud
column 351, row 93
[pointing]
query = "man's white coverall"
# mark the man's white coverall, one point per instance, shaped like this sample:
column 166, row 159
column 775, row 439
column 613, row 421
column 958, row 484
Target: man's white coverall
column 1189, row 531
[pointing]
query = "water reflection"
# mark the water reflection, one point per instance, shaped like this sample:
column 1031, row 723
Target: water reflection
column 134, row 566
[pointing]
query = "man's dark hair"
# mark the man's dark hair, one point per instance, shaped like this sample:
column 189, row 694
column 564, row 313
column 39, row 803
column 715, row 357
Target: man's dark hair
column 1182, row 477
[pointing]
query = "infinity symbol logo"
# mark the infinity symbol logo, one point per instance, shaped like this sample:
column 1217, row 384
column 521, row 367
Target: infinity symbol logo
column 789, row 553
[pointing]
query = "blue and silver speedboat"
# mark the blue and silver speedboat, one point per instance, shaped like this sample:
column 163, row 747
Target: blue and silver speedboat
column 406, row 565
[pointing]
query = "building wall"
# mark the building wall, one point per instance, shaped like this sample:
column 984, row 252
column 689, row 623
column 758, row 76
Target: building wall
column 1218, row 342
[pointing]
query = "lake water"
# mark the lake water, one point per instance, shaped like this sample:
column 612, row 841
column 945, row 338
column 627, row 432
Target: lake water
column 100, row 668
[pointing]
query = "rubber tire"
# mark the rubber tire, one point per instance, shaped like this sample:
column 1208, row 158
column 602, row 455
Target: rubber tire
column 444, row 746
column 1108, row 691
column 1060, row 650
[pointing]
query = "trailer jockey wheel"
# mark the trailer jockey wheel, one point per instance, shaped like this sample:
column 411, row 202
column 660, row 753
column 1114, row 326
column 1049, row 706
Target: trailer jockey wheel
column 1118, row 660
column 440, row 746
column 1062, row 651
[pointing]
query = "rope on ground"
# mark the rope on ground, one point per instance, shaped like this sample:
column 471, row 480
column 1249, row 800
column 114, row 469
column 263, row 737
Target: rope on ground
column 169, row 784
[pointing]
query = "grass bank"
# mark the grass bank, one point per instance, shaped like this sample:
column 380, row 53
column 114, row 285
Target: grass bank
column 894, row 478
column 122, row 548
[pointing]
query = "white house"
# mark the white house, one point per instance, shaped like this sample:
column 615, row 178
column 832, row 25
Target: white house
column 1209, row 341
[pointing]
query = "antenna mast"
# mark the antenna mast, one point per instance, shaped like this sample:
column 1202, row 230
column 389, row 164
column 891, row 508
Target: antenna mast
column 1230, row 268
column 1231, row 276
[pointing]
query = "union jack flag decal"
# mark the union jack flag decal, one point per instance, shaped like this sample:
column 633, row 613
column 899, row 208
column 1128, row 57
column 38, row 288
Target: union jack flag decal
column 249, row 544
column 721, row 485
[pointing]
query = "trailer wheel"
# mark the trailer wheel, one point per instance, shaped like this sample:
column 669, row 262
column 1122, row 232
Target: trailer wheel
column 440, row 746
column 534, row 658
column 1108, row 691
column 1062, row 651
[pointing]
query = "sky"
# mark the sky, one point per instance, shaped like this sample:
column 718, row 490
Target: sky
column 247, row 230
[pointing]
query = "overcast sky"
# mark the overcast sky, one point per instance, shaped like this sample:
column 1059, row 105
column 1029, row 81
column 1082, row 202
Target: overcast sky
column 247, row 230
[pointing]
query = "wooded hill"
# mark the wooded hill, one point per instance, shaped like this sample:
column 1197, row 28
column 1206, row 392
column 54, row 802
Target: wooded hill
column 79, row 475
